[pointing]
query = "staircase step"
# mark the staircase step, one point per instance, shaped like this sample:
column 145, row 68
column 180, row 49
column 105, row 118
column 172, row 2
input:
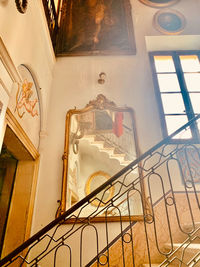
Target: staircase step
column 195, row 263
column 189, row 227
column 109, row 149
column 106, row 145
column 192, row 246
column 152, row 265
column 188, row 252
column 99, row 138
column 157, row 265
column 88, row 136
column 97, row 143
column 125, row 163
column 122, row 156
column 113, row 152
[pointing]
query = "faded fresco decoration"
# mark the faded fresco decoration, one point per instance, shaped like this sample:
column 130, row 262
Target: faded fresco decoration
column 96, row 27
column 24, row 101
column 25, row 105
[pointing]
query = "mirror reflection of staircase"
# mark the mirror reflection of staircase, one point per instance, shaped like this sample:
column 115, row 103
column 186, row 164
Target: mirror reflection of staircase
column 110, row 148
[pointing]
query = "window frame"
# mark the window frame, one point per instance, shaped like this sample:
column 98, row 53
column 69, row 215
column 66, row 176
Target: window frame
column 183, row 90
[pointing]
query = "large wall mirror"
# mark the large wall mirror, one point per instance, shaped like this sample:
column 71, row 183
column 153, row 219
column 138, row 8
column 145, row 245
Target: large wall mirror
column 100, row 140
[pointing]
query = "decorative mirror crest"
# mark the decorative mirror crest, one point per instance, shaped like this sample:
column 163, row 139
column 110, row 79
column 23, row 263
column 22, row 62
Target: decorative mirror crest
column 101, row 103
column 100, row 136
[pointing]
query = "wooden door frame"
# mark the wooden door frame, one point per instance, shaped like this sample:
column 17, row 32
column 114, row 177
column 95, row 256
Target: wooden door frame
column 22, row 203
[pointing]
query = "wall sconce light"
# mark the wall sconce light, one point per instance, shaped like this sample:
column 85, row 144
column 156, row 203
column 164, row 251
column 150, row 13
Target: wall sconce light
column 102, row 77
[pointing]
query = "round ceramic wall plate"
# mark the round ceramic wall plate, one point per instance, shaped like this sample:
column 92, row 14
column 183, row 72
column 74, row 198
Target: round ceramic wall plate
column 159, row 3
column 169, row 21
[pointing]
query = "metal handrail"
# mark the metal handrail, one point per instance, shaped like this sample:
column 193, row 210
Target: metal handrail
column 88, row 198
column 52, row 18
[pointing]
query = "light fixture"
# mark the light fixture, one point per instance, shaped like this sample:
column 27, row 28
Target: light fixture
column 102, row 77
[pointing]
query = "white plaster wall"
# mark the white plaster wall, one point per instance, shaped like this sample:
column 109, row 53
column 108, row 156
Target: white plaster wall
column 128, row 82
column 27, row 40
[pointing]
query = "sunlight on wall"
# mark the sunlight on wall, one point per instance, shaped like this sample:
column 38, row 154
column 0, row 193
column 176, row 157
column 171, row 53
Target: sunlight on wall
column 181, row 42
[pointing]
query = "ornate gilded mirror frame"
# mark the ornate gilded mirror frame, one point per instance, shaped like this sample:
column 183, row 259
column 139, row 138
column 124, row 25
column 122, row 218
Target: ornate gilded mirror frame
column 97, row 118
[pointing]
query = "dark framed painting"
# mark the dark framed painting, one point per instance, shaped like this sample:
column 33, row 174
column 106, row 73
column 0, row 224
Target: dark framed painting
column 95, row 27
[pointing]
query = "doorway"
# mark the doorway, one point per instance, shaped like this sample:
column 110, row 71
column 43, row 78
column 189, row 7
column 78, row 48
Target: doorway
column 19, row 163
column 8, row 166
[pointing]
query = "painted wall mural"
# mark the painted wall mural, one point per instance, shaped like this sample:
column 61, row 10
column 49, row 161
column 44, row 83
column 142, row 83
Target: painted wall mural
column 25, row 104
column 23, row 99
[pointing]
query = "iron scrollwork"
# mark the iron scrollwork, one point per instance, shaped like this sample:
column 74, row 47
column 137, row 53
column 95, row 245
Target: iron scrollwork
column 21, row 5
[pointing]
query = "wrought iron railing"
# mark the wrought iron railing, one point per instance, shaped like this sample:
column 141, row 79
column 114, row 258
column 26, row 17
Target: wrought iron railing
column 52, row 18
column 166, row 180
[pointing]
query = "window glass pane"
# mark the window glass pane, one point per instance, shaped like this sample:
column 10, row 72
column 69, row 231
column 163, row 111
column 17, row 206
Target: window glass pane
column 173, row 103
column 195, row 100
column 175, row 122
column 190, row 63
column 168, row 82
column 198, row 125
column 192, row 81
column 164, row 64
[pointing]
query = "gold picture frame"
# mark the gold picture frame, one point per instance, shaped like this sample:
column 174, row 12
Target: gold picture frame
column 89, row 188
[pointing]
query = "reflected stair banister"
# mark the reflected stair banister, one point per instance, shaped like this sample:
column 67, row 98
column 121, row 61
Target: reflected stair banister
column 123, row 144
